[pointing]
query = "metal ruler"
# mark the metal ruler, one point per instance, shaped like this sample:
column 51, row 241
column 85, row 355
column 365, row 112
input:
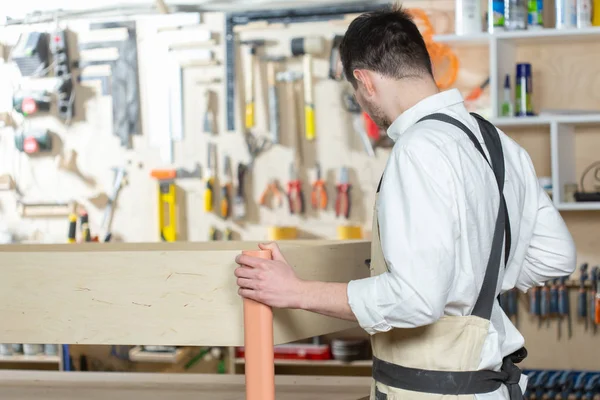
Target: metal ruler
column 285, row 16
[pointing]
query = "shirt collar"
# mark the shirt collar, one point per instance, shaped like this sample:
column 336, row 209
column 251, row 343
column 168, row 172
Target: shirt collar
column 428, row 105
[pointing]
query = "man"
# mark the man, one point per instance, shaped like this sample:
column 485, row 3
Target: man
column 460, row 217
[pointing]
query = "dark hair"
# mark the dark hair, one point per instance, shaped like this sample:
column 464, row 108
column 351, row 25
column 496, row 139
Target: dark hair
column 387, row 42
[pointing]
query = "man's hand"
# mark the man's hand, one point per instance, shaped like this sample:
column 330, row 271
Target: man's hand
column 272, row 282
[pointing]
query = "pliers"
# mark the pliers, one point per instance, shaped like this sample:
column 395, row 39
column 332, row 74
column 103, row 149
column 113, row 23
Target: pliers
column 273, row 189
column 319, row 193
column 295, row 195
column 342, row 202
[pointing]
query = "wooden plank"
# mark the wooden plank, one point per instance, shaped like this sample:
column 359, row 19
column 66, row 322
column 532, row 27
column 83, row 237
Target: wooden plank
column 154, row 293
column 150, row 386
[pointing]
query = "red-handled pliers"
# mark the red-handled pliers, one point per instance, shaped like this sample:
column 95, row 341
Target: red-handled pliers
column 295, row 195
column 342, row 202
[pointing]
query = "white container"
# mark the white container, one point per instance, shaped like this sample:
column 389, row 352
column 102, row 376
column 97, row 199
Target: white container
column 32, row 349
column 6, row 349
column 17, row 348
column 468, row 17
column 583, row 17
column 50, row 349
column 566, row 11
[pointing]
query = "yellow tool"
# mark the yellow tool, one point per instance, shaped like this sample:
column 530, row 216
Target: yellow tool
column 349, row 232
column 226, row 189
column 282, row 233
column 251, row 67
column 72, row 236
column 167, row 210
column 167, row 200
column 210, row 178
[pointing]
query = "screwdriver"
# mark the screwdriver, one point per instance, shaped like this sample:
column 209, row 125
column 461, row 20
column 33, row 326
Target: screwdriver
column 239, row 203
column 563, row 304
column 226, row 189
column 210, row 179
column 545, row 301
column 72, row 235
column 554, row 297
column 295, row 195
column 342, row 202
column 512, row 303
column 593, row 293
column 85, row 226
column 534, row 301
column 582, row 299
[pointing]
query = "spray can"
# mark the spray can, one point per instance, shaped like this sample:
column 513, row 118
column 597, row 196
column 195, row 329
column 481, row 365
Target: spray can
column 535, row 17
column 507, row 104
column 515, row 14
column 584, row 14
column 496, row 15
column 524, row 89
column 468, row 17
column 565, row 12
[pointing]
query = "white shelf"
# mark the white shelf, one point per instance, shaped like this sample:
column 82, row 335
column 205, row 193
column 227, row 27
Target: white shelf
column 40, row 358
column 315, row 363
column 541, row 120
column 529, row 35
column 581, row 206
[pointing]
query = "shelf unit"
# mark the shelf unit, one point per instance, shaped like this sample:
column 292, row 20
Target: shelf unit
column 503, row 58
column 37, row 359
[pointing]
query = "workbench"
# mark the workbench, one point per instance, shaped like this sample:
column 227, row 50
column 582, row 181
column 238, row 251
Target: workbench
column 18, row 385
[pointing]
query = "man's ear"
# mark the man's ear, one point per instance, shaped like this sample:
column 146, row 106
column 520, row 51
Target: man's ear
column 364, row 77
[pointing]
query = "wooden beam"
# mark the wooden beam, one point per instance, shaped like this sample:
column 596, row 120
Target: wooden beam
column 154, row 293
column 21, row 385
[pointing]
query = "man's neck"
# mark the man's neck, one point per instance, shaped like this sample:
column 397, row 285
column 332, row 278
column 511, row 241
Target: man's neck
column 405, row 93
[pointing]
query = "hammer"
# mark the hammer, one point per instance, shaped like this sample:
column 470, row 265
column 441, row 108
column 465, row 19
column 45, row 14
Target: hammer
column 253, row 45
column 307, row 47
column 274, row 123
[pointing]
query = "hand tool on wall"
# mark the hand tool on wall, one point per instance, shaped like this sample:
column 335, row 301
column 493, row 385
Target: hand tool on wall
column 319, row 192
column 120, row 174
column 290, row 78
column 540, row 383
column 213, row 233
column 597, row 305
column 294, row 194
column 272, row 191
column 564, row 305
column 86, row 236
column 274, row 122
column 72, row 234
column 579, row 386
column 336, row 70
column 582, row 298
column 591, row 387
column 552, row 386
column 239, row 202
column 593, row 279
column 307, row 47
column 554, row 297
column 208, row 119
column 210, row 177
column 545, row 302
column 251, row 65
column 534, row 301
column 226, row 189
column 167, row 200
column 358, row 121
column 512, row 303
column 228, row 234
column 342, row 201
column 256, row 145
column 565, row 383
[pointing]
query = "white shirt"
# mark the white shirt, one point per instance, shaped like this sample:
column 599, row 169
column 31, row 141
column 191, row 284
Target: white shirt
column 437, row 209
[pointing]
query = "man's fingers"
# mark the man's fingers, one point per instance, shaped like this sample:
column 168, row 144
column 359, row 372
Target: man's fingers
column 275, row 251
column 245, row 283
column 245, row 272
column 248, row 294
column 249, row 261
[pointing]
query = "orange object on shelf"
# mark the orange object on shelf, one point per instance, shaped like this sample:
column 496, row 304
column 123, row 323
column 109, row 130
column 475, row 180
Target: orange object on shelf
column 444, row 60
column 259, row 344
column 164, row 174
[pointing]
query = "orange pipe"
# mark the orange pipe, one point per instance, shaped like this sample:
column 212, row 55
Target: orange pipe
column 258, row 344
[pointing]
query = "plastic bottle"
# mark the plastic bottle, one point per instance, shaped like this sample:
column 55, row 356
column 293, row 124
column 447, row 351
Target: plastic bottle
column 515, row 14
column 524, row 89
column 468, row 17
column 507, row 104
column 584, row 14
column 535, row 17
column 496, row 15
column 596, row 13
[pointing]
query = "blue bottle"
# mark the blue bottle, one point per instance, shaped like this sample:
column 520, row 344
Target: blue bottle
column 524, row 90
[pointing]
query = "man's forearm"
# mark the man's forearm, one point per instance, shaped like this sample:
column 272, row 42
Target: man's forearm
column 326, row 298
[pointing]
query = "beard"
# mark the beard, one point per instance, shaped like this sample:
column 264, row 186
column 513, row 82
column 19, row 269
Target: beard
column 377, row 115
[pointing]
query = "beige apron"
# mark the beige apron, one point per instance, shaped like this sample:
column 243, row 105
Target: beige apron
column 451, row 343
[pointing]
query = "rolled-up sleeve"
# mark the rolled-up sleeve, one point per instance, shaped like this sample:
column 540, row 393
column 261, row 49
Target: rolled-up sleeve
column 418, row 228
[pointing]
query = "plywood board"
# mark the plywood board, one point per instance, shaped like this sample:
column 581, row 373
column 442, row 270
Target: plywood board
column 127, row 386
column 153, row 294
